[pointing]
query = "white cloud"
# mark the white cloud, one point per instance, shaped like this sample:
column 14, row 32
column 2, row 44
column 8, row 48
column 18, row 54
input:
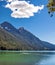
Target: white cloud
column 9, row 0
column 22, row 9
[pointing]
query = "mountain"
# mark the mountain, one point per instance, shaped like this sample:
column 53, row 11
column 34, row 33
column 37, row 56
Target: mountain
column 20, row 39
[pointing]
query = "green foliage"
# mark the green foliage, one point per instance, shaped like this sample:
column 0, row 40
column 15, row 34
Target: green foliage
column 51, row 7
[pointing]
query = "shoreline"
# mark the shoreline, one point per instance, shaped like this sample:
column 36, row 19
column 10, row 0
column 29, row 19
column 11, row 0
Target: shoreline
column 25, row 51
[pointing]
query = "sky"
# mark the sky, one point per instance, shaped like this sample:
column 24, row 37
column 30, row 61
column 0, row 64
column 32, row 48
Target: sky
column 30, row 14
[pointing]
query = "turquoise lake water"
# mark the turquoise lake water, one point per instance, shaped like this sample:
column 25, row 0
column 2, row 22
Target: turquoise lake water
column 27, row 58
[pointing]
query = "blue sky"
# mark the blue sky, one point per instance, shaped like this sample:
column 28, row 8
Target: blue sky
column 41, row 24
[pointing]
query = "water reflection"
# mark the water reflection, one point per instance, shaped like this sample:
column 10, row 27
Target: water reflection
column 48, row 61
column 28, row 58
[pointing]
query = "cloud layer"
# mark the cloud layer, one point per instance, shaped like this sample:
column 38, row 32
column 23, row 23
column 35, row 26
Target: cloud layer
column 22, row 9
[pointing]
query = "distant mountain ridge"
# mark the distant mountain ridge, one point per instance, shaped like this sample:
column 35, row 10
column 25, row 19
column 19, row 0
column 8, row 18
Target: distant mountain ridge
column 20, row 39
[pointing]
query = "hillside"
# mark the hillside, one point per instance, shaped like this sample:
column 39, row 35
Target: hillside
column 20, row 39
column 10, row 42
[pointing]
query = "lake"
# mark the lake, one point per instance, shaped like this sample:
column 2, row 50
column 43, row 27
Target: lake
column 27, row 58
